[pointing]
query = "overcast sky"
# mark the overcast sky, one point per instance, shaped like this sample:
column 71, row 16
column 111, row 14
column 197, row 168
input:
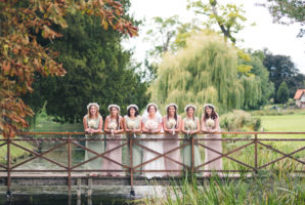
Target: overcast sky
column 279, row 39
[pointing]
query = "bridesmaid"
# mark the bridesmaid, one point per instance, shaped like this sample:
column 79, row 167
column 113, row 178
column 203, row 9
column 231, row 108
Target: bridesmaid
column 190, row 127
column 151, row 126
column 210, row 123
column 113, row 127
column 172, row 127
column 132, row 127
column 93, row 123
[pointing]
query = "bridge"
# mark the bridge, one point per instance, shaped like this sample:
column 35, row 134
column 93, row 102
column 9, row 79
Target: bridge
column 70, row 172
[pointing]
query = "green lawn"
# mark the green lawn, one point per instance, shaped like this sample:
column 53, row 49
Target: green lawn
column 47, row 125
column 16, row 152
column 284, row 123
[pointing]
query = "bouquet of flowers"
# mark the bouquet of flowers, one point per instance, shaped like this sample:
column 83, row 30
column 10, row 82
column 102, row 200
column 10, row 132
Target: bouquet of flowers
column 210, row 123
column 150, row 124
column 190, row 125
column 91, row 123
column 131, row 124
column 171, row 123
column 112, row 125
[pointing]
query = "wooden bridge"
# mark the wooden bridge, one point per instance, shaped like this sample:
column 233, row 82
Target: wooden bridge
column 73, row 175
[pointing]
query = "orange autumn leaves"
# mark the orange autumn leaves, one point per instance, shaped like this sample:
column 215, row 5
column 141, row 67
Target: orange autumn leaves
column 21, row 56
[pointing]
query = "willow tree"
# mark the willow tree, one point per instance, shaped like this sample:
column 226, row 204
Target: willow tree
column 204, row 71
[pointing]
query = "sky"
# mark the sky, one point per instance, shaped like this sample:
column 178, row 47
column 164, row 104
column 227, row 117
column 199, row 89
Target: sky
column 279, row 39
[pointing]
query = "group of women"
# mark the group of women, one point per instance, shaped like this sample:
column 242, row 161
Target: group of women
column 147, row 156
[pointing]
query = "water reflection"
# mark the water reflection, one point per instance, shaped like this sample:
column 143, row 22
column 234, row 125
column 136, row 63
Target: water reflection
column 62, row 200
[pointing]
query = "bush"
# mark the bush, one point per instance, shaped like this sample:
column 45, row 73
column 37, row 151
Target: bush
column 239, row 120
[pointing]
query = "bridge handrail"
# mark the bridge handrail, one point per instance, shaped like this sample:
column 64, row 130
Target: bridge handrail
column 69, row 138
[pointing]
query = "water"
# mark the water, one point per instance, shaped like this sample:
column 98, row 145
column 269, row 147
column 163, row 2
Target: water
column 58, row 195
column 116, row 195
column 47, row 199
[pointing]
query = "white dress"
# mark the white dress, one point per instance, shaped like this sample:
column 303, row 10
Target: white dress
column 157, row 146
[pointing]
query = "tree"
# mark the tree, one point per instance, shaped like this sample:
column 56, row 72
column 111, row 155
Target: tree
column 229, row 17
column 163, row 35
column 282, row 95
column 281, row 68
column 168, row 35
column 98, row 69
column 21, row 56
column 288, row 11
column 204, row 71
column 260, row 73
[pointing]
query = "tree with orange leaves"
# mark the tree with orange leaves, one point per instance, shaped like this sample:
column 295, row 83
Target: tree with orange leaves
column 21, row 56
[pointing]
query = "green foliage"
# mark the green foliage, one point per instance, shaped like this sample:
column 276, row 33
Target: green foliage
column 228, row 17
column 282, row 94
column 98, row 70
column 272, row 189
column 185, row 31
column 163, row 36
column 288, row 11
column 205, row 71
column 239, row 120
column 281, row 68
column 16, row 152
column 256, row 72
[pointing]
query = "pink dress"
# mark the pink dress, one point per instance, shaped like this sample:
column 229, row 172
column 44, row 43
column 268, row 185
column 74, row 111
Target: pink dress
column 157, row 146
column 169, row 145
column 216, row 145
column 116, row 154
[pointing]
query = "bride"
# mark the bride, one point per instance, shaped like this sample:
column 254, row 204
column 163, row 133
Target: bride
column 151, row 126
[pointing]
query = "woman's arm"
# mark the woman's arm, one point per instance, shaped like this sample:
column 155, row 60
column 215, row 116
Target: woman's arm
column 125, row 125
column 204, row 128
column 140, row 127
column 86, row 125
column 183, row 128
column 106, row 125
column 164, row 125
column 100, row 126
column 144, row 129
column 121, row 126
column 158, row 129
column 198, row 127
column 217, row 127
column 178, row 128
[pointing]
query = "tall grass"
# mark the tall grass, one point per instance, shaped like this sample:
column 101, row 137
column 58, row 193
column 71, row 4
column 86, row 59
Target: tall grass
column 262, row 189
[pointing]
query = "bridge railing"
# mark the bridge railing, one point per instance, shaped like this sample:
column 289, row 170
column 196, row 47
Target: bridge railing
column 255, row 151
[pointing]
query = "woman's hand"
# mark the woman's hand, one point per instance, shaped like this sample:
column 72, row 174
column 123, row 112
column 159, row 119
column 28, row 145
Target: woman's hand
column 213, row 130
column 89, row 130
column 128, row 130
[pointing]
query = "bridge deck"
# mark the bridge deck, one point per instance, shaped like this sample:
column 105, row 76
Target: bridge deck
column 45, row 178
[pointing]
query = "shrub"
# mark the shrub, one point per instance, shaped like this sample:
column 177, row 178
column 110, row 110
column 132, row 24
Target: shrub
column 239, row 120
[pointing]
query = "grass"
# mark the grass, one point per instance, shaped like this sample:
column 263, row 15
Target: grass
column 284, row 123
column 273, row 187
column 271, row 190
column 45, row 123
column 15, row 151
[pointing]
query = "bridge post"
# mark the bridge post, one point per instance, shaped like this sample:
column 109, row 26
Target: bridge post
column 69, row 164
column 255, row 153
column 8, row 161
column 192, row 157
column 131, row 170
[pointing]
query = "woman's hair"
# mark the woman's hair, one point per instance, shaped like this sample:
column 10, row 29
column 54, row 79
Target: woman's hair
column 213, row 114
column 193, row 110
column 136, row 113
column 152, row 105
column 175, row 115
column 117, row 117
column 96, row 114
